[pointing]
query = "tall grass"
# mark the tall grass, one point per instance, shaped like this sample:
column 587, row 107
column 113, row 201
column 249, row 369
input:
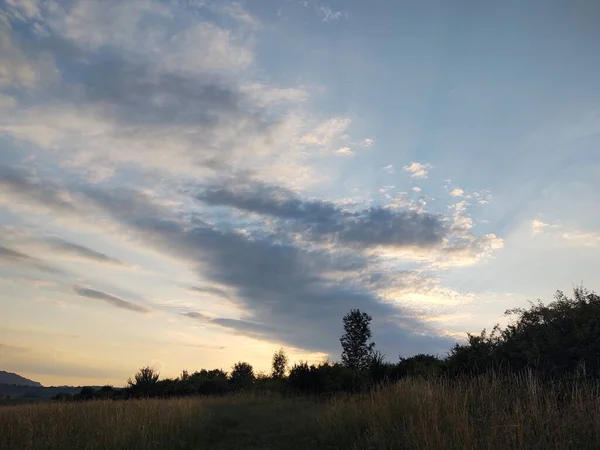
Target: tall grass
column 487, row 412
column 482, row 413
column 244, row 421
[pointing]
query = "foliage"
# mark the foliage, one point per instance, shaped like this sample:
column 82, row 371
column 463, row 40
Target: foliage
column 279, row 364
column 144, row 382
column 356, row 350
column 552, row 340
column 325, row 378
column 242, row 376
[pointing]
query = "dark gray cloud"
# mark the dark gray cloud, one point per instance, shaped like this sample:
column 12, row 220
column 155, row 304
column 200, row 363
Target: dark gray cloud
column 292, row 295
column 135, row 90
column 81, row 251
column 15, row 257
column 320, row 220
column 140, row 93
column 110, row 299
column 244, row 327
column 272, row 201
column 285, row 289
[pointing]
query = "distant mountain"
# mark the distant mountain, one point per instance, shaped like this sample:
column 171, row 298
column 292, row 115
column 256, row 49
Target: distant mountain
column 14, row 379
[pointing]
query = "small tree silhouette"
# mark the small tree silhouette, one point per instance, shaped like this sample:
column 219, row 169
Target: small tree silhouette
column 356, row 350
column 279, row 365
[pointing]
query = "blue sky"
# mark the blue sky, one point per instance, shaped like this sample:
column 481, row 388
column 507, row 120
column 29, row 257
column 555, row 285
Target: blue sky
column 188, row 184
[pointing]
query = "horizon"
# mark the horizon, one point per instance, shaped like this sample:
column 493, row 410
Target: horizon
column 185, row 185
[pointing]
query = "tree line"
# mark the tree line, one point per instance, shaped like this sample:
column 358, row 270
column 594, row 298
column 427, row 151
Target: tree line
column 556, row 341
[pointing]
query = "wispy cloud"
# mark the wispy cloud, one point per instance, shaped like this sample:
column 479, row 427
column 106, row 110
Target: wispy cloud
column 210, row 290
column 346, row 151
column 537, row 226
column 81, row 251
column 367, row 142
column 110, row 299
column 568, row 236
column 328, row 15
column 15, row 257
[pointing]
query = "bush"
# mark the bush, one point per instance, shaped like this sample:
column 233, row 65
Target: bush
column 242, row 376
column 552, row 341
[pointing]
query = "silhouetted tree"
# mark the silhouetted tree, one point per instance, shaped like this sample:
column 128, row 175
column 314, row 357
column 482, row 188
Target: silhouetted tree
column 356, row 349
column 144, row 382
column 279, row 364
column 242, row 376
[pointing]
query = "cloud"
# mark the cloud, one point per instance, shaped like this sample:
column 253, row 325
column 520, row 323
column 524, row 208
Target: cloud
column 389, row 168
column 367, row 142
column 15, row 257
column 537, row 226
column 152, row 28
column 585, row 239
column 125, row 110
column 403, row 231
column 568, row 236
column 150, row 97
column 110, row 299
column 25, row 186
column 415, row 189
column 325, row 133
column 196, row 315
column 457, row 192
column 16, row 70
column 237, row 12
column 284, row 289
column 321, row 220
column 417, row 170
column 346, row 151
column 80, row 251
column 328, row 15
column 23, row 9
column 274, row 278
column 243, row 327
column 210, row 290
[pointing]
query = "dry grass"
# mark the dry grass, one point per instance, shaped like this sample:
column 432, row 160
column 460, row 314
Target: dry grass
column 484, row 413
column 186, row 423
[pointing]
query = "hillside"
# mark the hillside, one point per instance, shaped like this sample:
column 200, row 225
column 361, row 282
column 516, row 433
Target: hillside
column 14, row 379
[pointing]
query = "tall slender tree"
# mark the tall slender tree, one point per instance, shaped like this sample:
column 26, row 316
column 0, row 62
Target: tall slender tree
column 280, row 362
column 356, row 349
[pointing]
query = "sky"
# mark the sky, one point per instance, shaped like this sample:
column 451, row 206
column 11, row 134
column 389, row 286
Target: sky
column 189, row 184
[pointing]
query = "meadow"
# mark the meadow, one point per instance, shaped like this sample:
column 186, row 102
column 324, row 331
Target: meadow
column 484, row 412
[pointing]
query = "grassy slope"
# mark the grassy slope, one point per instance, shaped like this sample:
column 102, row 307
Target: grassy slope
column 414, row 414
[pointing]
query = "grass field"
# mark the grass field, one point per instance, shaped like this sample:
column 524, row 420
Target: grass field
column 482, row 413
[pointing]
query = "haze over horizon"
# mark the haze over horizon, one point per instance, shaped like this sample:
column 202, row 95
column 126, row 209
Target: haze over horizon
column 189, row 184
